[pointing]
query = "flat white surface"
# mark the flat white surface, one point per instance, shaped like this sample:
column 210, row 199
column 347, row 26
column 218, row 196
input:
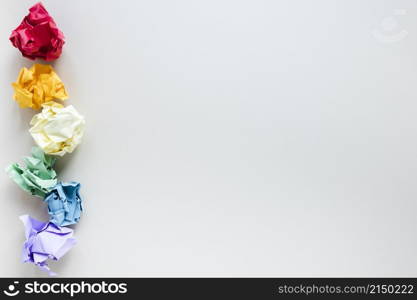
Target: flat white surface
column 229, row 137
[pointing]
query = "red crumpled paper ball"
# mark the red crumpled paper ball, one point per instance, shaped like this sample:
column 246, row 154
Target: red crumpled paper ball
column 38, row 36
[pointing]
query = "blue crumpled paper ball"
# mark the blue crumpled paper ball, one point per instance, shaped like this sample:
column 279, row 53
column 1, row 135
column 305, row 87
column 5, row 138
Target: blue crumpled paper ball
column 64, row 203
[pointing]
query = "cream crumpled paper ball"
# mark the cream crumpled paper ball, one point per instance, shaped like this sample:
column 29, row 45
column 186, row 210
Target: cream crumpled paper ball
column 57, row 129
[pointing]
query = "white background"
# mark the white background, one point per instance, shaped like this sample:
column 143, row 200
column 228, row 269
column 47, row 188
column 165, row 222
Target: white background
column 228, row 137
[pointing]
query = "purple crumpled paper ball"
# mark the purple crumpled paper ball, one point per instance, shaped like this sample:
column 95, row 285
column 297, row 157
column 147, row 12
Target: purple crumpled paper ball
column 45, row 241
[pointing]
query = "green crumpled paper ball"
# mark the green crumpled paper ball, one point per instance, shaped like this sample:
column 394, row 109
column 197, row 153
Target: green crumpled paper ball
column 38, row 177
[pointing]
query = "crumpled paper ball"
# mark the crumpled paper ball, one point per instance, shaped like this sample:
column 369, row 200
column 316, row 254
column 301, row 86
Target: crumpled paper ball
column 45, row 241
column 38, row 36
column 38, row 85
column 38, row 178
column 57, row 129
column 64, row 204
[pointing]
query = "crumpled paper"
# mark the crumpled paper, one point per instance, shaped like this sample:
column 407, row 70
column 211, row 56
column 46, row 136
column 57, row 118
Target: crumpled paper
column 38, row 85
column 57, row 129
column 45, row 241
column 64, row 204
column 38, row 178
column 38, row 36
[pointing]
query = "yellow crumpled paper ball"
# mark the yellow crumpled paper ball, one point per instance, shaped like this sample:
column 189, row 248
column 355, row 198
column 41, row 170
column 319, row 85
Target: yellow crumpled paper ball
column 38, row 85
column 57, row 129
